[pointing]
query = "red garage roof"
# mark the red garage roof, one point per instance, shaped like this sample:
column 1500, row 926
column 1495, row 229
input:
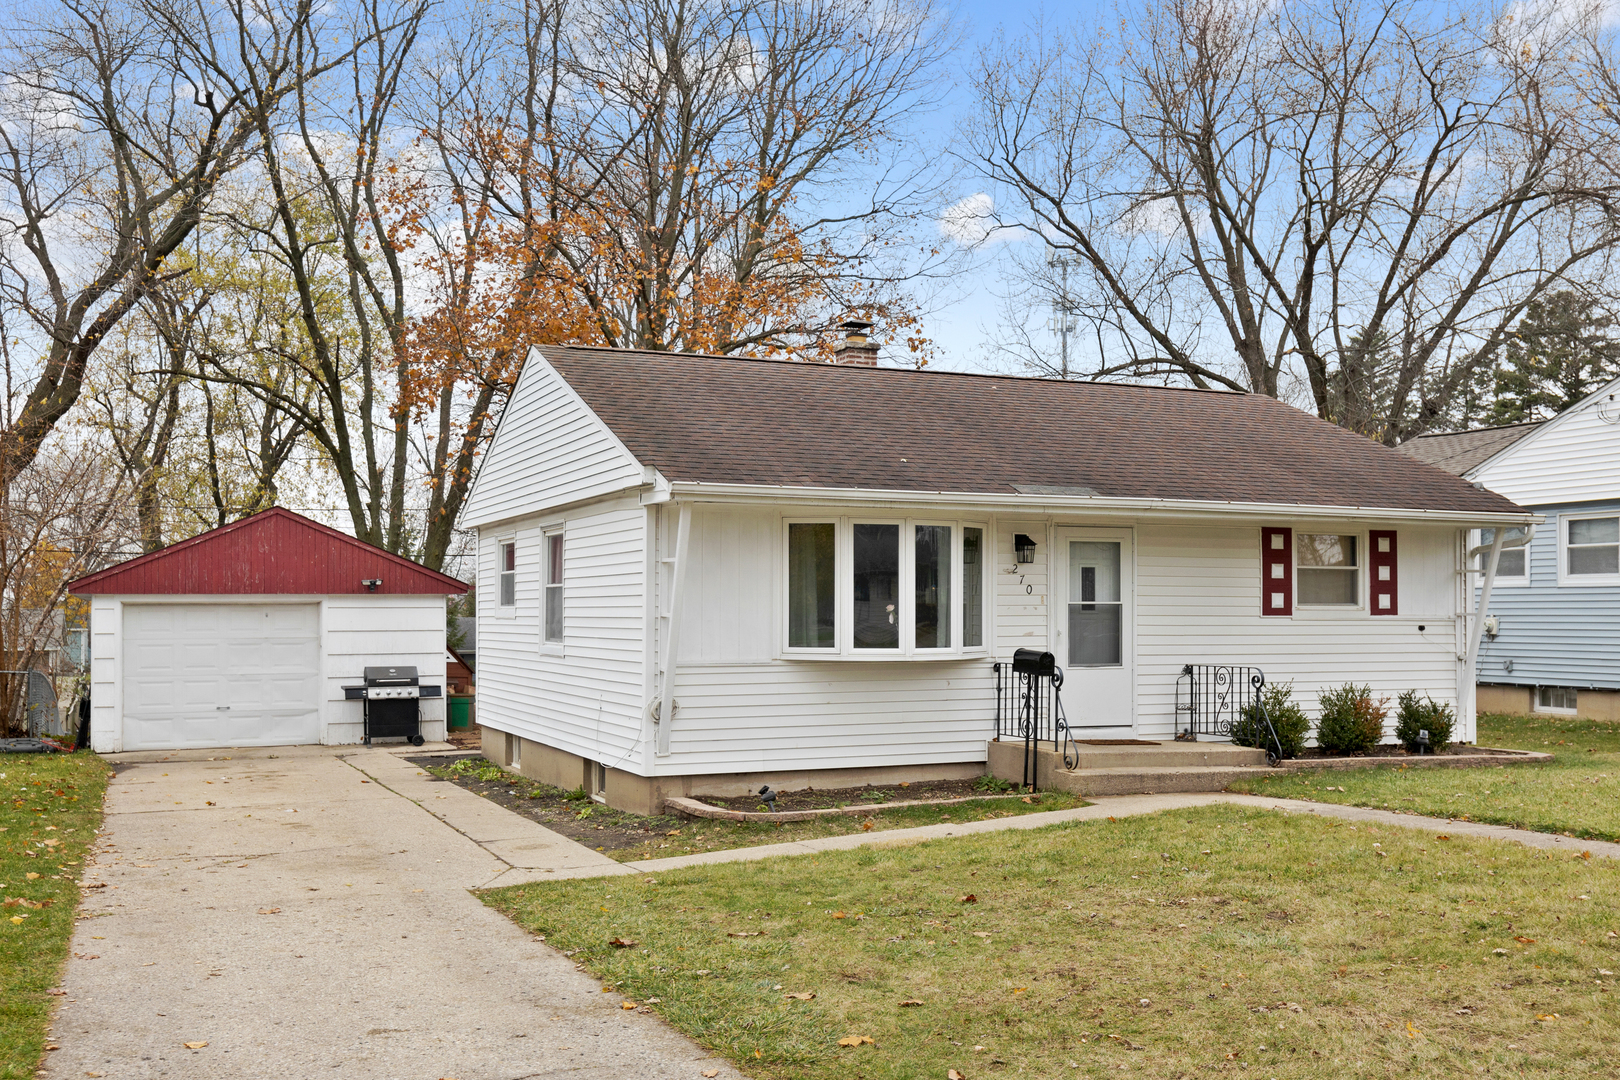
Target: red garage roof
column 273, row 552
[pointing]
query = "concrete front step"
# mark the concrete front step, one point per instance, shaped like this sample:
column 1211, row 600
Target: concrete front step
column 1130, row 770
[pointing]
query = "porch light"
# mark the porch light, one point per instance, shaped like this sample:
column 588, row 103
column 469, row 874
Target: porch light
column 1024, row 548
column 371, row 583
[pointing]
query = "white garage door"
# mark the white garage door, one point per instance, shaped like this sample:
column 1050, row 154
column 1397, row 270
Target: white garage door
column 201, row 675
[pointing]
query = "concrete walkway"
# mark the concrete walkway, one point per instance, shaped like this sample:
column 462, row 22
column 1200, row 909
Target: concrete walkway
column 305, row 912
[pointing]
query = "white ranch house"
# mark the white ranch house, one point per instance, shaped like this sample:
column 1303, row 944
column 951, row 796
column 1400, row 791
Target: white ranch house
column 700, row 574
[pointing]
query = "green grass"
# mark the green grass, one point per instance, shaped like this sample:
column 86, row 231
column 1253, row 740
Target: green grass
column 1576, row 794
column 1220, row 939
column 50, row 806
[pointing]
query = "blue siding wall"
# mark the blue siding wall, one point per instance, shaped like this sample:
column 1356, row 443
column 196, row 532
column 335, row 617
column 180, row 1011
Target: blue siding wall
column 1554, row 635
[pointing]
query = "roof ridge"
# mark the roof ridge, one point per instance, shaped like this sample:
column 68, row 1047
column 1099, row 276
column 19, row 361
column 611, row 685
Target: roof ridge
column 813, row 364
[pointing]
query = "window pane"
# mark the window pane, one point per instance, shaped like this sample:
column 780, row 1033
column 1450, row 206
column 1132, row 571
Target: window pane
column 554, row 613
column 1595, row 531
column 811, row 585
column 1594, row 560
column 1094, row 637
column 877, row 586
column 1093, row 572
column 508, row 589
column 1328, row 587
column 554, row 561
column 933, row 585
column 1326, row 550
column 508, row 556
column 972, row 588
column 1510, row 563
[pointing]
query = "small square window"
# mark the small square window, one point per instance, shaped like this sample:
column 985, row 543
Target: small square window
column 1592, row 547
column 1329, row 570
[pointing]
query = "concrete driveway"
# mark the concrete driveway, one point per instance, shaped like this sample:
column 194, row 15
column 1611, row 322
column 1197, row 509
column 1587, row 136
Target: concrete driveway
column 305, row 912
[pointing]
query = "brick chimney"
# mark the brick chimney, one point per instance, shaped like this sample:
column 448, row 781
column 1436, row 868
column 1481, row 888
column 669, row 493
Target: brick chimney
column 855, row 348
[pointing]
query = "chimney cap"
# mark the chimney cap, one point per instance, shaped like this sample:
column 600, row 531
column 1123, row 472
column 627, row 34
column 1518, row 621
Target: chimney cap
column 855, row 326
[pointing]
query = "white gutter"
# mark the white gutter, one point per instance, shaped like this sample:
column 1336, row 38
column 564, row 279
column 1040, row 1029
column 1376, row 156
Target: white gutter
column 1091, row 504
column 664, row 705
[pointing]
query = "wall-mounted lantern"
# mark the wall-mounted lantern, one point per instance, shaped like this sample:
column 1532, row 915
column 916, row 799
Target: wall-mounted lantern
column 1024, row 548
column 371, row 583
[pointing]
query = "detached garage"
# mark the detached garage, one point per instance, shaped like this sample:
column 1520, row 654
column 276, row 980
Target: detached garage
column 247, row 635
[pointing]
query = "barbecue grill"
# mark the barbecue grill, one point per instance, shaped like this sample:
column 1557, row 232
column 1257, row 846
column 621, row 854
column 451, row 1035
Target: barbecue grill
column 391, row 700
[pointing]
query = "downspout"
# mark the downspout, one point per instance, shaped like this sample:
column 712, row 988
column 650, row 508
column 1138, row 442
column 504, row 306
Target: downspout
column 664, row 705
column 1477, row 629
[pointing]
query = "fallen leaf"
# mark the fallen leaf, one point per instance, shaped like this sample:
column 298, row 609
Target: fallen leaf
column 1442, row 836
column 32, row 876
column 952, row 1074
column 856, row 1040
column 1525, row 940
column 866, row 826
column 269, row 911
column 968, row 899
column 1111, row 817
column 839, row 915
column 803, row 995
column 57, row 993
column 910, row 1004
column 711, row 1072
column 196, row 1045
column 627, row 1005
column 1547, row 1016
column 744, row 933
column 621, row 943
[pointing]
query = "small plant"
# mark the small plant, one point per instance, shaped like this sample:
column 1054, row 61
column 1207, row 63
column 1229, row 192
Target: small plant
column 1351, row 721
column 1289, row 720
column 993, row 784
column 577, row 795
column 1414, row 714
column 465, row 766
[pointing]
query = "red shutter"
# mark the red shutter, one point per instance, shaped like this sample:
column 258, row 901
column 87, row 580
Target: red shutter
column 1385, row 587
column 1276, row 571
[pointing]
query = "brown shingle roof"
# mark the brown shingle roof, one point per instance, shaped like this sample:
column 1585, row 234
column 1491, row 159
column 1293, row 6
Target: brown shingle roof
column 738, row 421
column 1461, row 451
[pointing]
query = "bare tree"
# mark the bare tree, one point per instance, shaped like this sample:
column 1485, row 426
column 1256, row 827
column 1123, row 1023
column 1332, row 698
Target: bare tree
column 1362, row 194
column 117, row 130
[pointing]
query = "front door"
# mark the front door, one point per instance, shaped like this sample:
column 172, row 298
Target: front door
column 1094, row 630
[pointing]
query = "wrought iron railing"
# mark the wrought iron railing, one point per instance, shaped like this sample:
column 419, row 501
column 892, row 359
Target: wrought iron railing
column 1211, row 699
column 1029, row 709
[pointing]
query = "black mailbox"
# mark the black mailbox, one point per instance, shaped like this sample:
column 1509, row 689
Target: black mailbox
column 1031, row 662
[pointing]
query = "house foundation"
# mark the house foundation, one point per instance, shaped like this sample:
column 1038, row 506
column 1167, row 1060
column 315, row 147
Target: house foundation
column 1521, row 700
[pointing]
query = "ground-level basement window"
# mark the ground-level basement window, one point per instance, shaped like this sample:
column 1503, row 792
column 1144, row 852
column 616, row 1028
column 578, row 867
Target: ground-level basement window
column 1555, row 699
column 902, row 587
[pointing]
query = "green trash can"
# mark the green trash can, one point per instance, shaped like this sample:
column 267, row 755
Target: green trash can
column 461, row 707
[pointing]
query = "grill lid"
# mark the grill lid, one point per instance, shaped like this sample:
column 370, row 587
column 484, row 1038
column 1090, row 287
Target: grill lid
column 391, row 676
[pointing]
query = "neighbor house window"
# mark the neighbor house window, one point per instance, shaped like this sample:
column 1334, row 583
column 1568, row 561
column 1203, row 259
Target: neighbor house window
column 1592, row 547
column 903, row 587
column 1557, row 699
column 1329, row 569
column 1512, row 564
column 508, row 550
column 554, row 586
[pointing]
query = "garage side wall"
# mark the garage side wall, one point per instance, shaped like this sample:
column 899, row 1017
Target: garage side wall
column 362, row 630
column 106, row 630
column 586, row 694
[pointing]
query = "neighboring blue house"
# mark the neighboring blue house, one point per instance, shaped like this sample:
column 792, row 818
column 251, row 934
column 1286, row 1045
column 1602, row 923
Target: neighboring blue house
column 1555, row 603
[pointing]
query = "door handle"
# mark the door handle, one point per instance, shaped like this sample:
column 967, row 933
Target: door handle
column 222, row 708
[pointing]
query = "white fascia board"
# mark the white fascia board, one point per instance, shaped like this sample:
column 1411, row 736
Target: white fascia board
column 1589, row 401
column 1048, row 504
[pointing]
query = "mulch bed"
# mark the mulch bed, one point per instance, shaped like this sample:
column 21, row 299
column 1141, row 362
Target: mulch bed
column 1398, row 751
column 600, row 827
column 874, row 795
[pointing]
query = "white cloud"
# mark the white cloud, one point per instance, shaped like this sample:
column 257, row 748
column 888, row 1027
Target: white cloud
column 970, row 221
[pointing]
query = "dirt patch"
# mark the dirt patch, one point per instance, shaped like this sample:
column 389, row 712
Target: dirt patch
column 585, row 822
column 873, row 795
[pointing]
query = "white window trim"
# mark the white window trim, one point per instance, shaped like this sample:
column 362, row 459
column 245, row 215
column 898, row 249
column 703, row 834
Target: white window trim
column 507, row 611
column 1537, row 707
column 1363, row 572
column 1476, row 538
column 547, row 646
column 844, row 590
column 1565, row 578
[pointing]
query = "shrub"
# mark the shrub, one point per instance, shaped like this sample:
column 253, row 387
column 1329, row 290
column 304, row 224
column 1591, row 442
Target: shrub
column 1289, row 719
column 1414, row 714
column 1351, row 721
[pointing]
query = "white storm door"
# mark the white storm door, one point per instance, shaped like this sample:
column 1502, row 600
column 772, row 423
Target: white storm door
column 1094, row 628
column 206, row 675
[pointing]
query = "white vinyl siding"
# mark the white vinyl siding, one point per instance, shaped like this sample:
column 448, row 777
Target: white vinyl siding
column 588, row 701
column 1570, row 459
column 550, row 449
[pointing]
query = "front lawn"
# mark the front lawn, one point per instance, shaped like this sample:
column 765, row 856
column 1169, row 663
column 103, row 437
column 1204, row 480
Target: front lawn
column 1577, row 793
column 50, row 806
column 631, row 837
column 1223, row 938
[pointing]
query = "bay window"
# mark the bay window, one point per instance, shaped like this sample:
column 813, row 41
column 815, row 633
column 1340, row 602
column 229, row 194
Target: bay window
column 885, row 588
